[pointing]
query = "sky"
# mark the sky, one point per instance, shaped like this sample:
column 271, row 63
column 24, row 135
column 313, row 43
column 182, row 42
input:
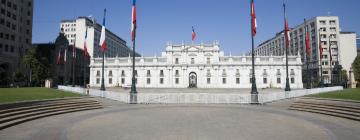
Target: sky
column 160, row 21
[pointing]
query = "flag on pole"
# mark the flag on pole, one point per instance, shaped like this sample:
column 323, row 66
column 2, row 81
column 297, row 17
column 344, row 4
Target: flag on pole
column 193, row 34
column 133, row 21
column 287, row 30
column 320, row 48
column 253, row 18
column 58, row 59
column 102, row 37
column 307, row 41
column 65, row 56
column 86, row 53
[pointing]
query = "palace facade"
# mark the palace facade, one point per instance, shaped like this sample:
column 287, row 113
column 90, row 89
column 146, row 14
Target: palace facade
column 197, row 66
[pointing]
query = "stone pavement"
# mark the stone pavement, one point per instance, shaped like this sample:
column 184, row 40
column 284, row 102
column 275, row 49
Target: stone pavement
column 187, row 122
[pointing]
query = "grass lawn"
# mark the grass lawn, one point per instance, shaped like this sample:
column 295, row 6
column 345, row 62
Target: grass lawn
column 8, row 95
column 347, row 94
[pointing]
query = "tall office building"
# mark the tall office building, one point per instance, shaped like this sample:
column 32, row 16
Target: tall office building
column 75, row 32
column 16, row 18
column 322, row 29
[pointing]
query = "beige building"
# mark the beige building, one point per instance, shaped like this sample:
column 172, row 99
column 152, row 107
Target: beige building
column 322, row 29
column 16, row 18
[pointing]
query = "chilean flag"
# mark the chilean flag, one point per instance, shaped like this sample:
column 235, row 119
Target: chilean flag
column 102, row 37
column 58, row 59
column 193, row 34
column 86, row 53
column 287, row 30
column 133, row 21
column 307, row 41
column 253, row 19
column 320, row 48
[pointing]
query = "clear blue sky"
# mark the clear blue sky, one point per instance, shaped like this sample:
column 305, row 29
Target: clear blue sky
column 160, row 21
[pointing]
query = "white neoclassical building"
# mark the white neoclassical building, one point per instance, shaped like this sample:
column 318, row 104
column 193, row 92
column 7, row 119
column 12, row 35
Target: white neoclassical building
column 200, row 66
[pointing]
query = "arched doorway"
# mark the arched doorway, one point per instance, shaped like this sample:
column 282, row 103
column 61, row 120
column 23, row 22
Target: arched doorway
column 192, row 80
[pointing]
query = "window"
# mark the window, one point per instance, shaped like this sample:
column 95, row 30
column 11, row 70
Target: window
column 176, row 60
column 208, row 60
column 332, row 22
column 136, row 81
column 161, row 72
column 6, row 48
column 110, row 80
column 148, row 81
column 224, row 80
column 265, row 80
column 110, row 73
column 148, row 73
column 322, row 22
column 161, row 80
column 192, row 60
column 208, row 80
column 98, row 73
column 176, row 72
column 176, row 80
column 237, row 80
column 122, row 73
column 122, row 80
column 292, row 80
column 250, row 80
column 278, row 80
column 12, row 49
column 278, row 72
column 97, row 80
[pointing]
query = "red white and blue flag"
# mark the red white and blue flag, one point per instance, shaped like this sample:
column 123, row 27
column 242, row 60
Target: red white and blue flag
column 86, row 53
column 193, row 34
column 133, row 21
column 307, row 41
column 102, row 36
column 287, row 30
column 253, row 19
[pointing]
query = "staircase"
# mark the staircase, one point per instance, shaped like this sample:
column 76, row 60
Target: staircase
column 338, row 108
column 13, row 114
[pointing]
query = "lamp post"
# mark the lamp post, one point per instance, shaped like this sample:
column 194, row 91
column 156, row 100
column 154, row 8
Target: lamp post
column 133, row 92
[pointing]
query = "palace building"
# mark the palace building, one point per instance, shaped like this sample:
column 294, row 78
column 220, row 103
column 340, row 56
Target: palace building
column 197, row 66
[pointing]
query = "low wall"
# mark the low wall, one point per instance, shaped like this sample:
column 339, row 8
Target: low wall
column 201, row 98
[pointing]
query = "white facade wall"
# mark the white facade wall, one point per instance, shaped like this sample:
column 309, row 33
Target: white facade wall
column 219, row 68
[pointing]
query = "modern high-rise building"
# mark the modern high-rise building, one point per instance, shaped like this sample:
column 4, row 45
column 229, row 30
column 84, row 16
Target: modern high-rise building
column 16, row 18
column 358, row 41
column 75, row 32
column 322, row 29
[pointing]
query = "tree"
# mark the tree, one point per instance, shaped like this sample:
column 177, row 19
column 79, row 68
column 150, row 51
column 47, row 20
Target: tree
column 39, row 66
column 356, row 68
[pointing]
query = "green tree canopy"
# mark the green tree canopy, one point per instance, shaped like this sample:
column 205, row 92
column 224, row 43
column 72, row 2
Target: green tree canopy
column 356, row 68
column 39, row 65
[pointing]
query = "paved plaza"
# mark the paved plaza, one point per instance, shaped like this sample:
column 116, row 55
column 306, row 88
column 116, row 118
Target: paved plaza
column 187, row 122
column 195, row 90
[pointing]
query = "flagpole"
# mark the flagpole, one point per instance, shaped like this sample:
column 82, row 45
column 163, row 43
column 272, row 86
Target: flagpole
column 73, row 65
column 321, row 71
column 103, row 61
column 287, row 85
column 308, row 80
column 254, row 92
column 65, row 55
column 133, row 92
column 330, row 57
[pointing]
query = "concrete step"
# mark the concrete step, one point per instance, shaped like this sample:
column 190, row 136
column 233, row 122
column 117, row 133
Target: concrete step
column 29, row 114
column 33, row 117
column 321, row 108
column 342, row 108
column 28, row 103
column 40, row 108
column 325, row 113
column 47, row 104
